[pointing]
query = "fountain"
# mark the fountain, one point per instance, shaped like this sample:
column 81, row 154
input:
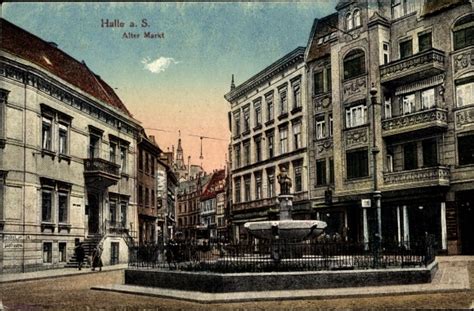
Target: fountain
column 286, row 228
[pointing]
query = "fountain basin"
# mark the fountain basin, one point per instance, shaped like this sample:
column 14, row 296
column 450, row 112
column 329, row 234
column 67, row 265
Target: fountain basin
column 286, row 229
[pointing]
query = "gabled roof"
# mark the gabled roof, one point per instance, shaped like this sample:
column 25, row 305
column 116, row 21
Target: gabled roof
column 215, row 185
column 27, row 46
column 321, row 27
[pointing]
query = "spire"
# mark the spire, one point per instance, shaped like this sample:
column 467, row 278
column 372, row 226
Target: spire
column 232, row 84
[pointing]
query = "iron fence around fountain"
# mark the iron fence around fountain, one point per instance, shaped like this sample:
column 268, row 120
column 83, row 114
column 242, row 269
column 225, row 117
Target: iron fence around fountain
column 283, row 256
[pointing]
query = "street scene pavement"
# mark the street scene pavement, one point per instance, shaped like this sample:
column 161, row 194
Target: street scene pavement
column 73, row 292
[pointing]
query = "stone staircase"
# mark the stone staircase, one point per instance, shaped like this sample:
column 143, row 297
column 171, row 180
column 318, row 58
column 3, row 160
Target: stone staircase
column 89, row 244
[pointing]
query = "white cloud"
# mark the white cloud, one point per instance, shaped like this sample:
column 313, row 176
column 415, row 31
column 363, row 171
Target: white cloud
column 158, row 65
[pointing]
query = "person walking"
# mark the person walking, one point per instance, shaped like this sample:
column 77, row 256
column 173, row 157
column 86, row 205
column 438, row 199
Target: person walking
column 80, row 254
column 96, row 258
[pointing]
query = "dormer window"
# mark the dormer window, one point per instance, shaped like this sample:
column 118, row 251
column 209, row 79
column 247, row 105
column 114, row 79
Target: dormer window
column 353, row 19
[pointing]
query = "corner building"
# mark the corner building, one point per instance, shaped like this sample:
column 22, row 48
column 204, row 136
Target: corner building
column 417, row 56
column 269, row 132
column 67, row 158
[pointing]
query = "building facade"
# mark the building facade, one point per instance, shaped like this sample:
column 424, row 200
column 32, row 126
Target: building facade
column 148, row 178
column 67, row 158
column 212, row 206
column 393, row 81
column 269, row 132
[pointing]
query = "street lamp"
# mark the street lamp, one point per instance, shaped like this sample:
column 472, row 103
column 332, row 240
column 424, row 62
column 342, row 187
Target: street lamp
column 376, row 194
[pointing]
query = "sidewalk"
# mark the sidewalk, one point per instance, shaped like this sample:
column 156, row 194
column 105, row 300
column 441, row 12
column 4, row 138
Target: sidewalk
column 54, row 273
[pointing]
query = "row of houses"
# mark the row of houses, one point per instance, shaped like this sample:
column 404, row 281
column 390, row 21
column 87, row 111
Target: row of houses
column 373, row 120
column 75, row 166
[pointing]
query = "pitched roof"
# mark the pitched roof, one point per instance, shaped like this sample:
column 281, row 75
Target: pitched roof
column 25, row 45
column 215, row 185
column 321, row 27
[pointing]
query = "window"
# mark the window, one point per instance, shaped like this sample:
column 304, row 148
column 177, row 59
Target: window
column 298, row 176
column 152, row 203
column 94, row 142
column 140, row 195
column 297, row 135
column 408, row 102
column 402, row 7
column 430, row 152
column 428, row 99
column 320, row 129
column 113, row 153
column 330, row 127
column 466, row 149
column 247, row 153
column 354, row 64
column 3, row 101
column 349, row 21
column 113, row 212
column 283, row 140
column 465, row 94
column 237, row 156
column 386, row 53
column 123, row 213
column 357, row 21
column 283, row 101
column 463, row 32
column 321, row 172
column 387, row 105
column 270, row 113
column 147, row 162
column 258, row 114
column 389, row 162
column 270, row 183
column 47, row 252
column 258, row 149
column 246, row 112
column 46, row 205
column 63, row 199
column 47, row 133
column 356, row 116
column 147, row 197
column 152, row 165
column 237, row 190
column 357, row 164
column 237, row 123
column 123, row 159
column 410, row 157
column 270, row 145
column 296, row 95
column 63, row 135
column 406, row 48
column 247, row 188
column 331, row 171
column 322, row 81
column 62, row 251
column 424, row 41
column 258, row 186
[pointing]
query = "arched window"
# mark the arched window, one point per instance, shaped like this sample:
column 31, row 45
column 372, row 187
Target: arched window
column 357, row 18
column 463, row 32
column 349, row 23
column 354, row 64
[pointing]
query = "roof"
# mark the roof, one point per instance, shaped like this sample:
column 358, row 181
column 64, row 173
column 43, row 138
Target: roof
column 215, row 185
column 322, row 27
column 295, row 56
column 46, row 55
column 190, row 186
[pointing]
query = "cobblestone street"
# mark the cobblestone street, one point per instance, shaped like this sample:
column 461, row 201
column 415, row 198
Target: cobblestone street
column 73, row 293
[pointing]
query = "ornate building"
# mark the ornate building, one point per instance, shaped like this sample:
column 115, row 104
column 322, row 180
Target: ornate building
column 67, row 158
column 393, row 80
column 268, row 125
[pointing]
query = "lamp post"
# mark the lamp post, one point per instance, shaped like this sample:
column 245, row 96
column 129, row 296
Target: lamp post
column 376, row 194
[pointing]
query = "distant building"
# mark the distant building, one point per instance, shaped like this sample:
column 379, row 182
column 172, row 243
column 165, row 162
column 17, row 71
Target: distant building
column 182, row 170
column 212, row 206
column 268, row 116
column 67, row 158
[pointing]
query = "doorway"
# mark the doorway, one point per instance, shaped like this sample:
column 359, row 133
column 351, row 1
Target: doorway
column 465, row 201
column 93, row 213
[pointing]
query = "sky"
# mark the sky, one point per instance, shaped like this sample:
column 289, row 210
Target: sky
column 175, row 83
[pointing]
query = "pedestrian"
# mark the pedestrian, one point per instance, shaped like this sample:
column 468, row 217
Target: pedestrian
column 96, row 258
column 80, row 254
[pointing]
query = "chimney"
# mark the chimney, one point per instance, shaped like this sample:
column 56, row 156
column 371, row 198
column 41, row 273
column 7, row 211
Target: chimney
column 152, row 138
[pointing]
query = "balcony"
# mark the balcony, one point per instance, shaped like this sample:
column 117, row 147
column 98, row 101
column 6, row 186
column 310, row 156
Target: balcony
column 419, row 66
column 115, row 227
column 425, row 120
column 100, row 173
column 422, row 177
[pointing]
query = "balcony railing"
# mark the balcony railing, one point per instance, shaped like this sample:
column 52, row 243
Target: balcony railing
column 101, row 172
column 418, row 66
column 422, row 177
column 432, row 118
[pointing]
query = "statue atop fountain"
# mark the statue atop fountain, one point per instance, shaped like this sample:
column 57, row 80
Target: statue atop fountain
column 285, row 228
